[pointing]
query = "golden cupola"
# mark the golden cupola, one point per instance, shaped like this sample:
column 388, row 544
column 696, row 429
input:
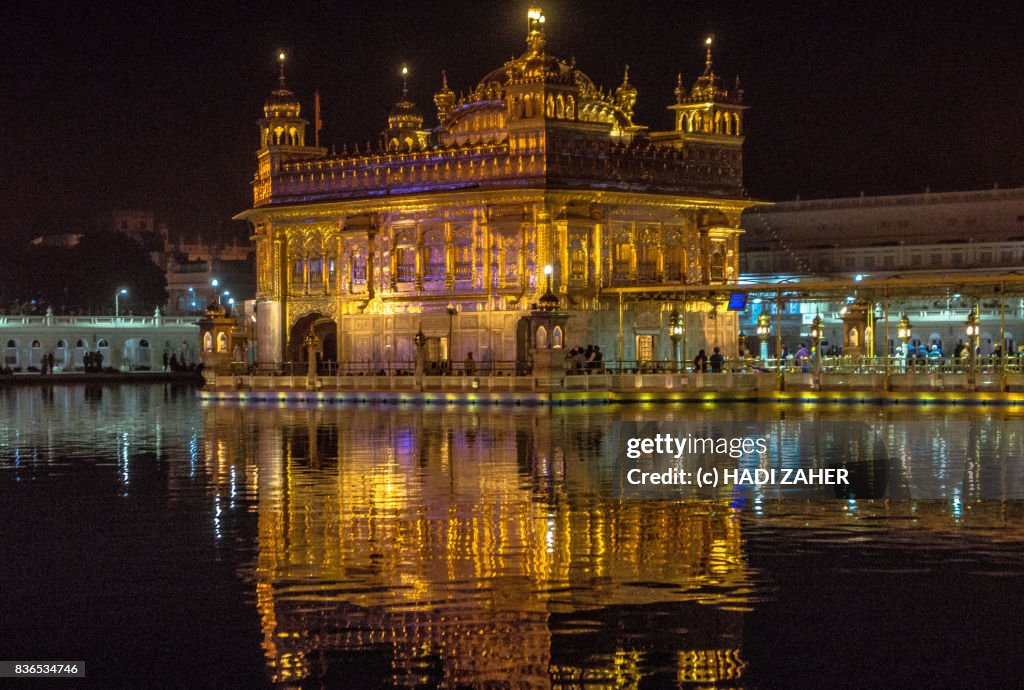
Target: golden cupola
column 282, row 101
column 405, row 122
column 709, row 109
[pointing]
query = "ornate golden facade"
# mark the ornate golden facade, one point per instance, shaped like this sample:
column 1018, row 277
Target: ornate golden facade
column 535, row 166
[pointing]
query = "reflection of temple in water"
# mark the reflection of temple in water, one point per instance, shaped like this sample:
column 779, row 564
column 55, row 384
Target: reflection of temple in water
column 458, row 546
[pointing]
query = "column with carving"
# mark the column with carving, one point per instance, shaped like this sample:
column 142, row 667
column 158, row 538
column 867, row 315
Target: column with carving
column 561, row 230
column 544, row 254
column 371, row 255
column 419, row 256
column 596, row 252
column 449, row 255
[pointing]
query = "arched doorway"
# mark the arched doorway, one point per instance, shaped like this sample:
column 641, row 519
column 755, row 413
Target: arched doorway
column 326, row 330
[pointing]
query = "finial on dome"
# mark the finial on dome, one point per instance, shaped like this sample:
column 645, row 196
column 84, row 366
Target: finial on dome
column 707, row 60
column 625, row 77
column 281, row 57
column 444, row 79
column 680, row 89
column 405, row 82
column 535, row 28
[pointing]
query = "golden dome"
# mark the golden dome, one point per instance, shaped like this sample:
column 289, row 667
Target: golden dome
column 281, row 102
column 404, row 113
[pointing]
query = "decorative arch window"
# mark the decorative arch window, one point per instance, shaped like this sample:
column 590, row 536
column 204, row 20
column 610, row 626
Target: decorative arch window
column 222, row 342
column 316, row 269
column 358, row 260
column 463, row 249
column 577, row 260
column 556, row 337
column 622, row 260
column 717, row 264
column 542, row 337
column 208, row 342
column 433, row 255
column 11, row 354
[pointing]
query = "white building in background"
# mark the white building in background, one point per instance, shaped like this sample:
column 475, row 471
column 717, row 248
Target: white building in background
column 950, row 233
column 127, row 343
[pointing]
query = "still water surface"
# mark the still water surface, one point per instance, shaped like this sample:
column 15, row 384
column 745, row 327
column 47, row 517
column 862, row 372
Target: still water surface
column 170, row 543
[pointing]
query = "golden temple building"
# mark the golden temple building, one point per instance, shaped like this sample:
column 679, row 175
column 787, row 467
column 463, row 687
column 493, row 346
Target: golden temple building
column 447, row 230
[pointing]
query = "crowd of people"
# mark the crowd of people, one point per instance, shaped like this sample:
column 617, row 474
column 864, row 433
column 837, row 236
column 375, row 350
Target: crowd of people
column 582, row 360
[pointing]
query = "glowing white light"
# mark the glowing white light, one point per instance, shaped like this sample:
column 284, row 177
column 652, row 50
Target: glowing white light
column 549, row 269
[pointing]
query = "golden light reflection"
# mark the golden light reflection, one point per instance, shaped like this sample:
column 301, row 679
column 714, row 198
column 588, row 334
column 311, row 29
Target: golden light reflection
column 426, row 535
column 466, row 547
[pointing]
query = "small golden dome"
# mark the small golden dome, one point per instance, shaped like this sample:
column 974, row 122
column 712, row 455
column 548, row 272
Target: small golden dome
column 281, row 102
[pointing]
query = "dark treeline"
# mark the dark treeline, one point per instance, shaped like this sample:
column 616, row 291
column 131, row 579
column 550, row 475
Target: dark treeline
column 81, row 279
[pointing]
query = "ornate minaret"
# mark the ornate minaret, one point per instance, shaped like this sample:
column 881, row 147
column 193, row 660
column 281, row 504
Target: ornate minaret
column 709, row 109
column 444, row 99
column 625, row 95
column 282, row 136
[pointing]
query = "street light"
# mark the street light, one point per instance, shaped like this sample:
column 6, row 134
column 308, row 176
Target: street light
column 903, row 331
column 764, row 331
column 816, row 329
column 675, row 331
column 117, row 301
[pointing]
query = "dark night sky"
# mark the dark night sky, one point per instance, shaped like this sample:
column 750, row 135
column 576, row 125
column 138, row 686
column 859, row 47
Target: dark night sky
column 154, row 105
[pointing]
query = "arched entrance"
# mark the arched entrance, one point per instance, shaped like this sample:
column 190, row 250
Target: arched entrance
column 326, row 330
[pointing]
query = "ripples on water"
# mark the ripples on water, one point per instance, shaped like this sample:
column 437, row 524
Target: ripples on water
column 422, row 547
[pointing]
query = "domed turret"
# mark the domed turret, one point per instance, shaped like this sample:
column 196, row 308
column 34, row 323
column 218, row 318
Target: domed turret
column 282, row 102
column 281, row 124
column 405, row 122
column 404, row 113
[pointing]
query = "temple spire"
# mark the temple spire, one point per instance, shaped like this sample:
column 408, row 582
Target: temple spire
column 707, row 60
column 281, row 57
column 405, row 83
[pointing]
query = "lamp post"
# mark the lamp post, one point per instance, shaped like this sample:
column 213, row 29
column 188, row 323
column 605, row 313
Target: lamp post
column 117, row 301
column 451, row 319
column 215, row 284
column 764, row 331
column 675, row 331
column 903, row 331
column 420, row 341
column 973, row 330
column 192, row 298
column 816, row 344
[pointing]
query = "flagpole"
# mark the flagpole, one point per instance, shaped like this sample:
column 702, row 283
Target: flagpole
column 317, row 124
